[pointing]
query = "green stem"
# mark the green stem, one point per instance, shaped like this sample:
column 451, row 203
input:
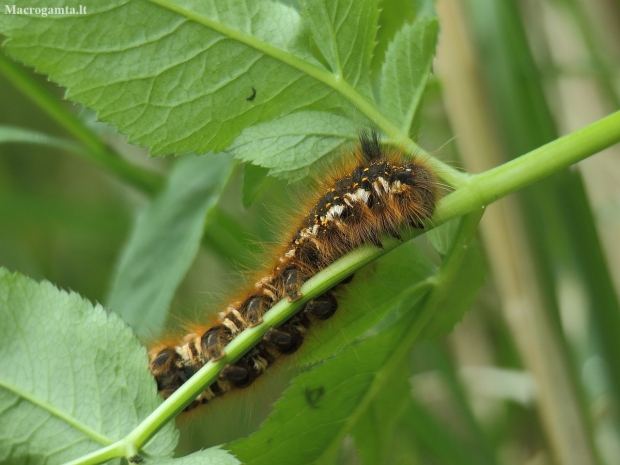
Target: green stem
column 481, row 190
column 103, row 455
column 96, row 150
column 485, row 188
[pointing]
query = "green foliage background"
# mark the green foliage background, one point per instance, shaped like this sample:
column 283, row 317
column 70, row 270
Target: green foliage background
column 164, row 240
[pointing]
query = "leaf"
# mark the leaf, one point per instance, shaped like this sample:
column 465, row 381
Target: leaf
column 365, row 301
column 255, row 181
column 442, row 237
column 470, row 436
column 470, row 278
column 72, row 377
column 408, row 62
column 13, row 135
column 229, row 238
column 176, row 76
column 333, row 395
column 212, row 456
column 288, row 146
column 165, row 240
column 374, row 430
column 393, row 14
column 344, row 31
column 329, row 398
column 424, row 7
column 444, row 446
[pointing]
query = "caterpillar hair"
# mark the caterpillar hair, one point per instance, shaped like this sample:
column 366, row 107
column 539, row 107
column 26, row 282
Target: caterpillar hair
column 379, row 193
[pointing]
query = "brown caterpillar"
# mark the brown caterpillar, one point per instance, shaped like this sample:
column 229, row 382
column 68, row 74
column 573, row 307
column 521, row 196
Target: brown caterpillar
column 378, row 194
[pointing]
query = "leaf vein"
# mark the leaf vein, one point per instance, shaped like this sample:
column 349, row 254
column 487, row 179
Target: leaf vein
column 94, row 435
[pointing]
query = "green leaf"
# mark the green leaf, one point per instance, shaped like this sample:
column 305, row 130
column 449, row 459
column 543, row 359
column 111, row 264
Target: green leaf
column 255, row 181
column 374, row 430
column 15, row 135
column 442, row 236
column 364, row 302
column 288, row 146
column 229, row 238
column 72, row 377
column 212, row 456
column 475, row 442
column 424, row 7
column 344, row 32
column 408, row 62
column 393, row 14
column 165, row 240
column 443, row 444
column 335, row 393
column 470, row 278
column 328, row 398
column 176, row 76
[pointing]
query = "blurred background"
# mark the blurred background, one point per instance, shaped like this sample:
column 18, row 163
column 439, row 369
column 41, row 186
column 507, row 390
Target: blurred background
column 532, row 374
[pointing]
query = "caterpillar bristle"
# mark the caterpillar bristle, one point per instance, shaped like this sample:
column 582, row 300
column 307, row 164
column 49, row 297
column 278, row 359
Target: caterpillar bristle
column 378, row 193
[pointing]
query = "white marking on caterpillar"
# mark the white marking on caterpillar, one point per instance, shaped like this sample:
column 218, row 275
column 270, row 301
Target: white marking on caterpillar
column 335, row 211
column 260, row 364
column 184, row 352
column 269, row 293
column 206, row 394
column 362, row 195
column 238, row 315
column 230, row 325
column 377, row 188
column 385, row 184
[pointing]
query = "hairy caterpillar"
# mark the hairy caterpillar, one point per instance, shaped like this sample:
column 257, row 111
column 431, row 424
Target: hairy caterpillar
column 378, row 194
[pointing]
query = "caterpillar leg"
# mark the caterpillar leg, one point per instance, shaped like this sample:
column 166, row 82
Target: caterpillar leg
column 323, row 307
column 292, row 283
column 253, row 310
column 165, row 368
column 248, row 368
column 214, row 341
column 285, row 339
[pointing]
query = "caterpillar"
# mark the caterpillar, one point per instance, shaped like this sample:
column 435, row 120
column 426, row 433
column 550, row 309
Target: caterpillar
column 380, row 192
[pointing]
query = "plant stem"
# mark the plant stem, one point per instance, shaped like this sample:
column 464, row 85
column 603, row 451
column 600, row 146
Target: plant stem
column 485, row 188
column 102, row 455
column 481, row 190
column 97, row 151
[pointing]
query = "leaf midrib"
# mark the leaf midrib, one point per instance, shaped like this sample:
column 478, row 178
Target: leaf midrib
column 45, row 405
column 337, row 83
column 251, row 41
